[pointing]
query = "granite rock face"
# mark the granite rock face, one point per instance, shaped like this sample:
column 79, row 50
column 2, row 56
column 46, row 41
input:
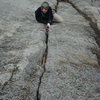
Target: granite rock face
column 22, row 45
column 92, row 11
column 70, row 70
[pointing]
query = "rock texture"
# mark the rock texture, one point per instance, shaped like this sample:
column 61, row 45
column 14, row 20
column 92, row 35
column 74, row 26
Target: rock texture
column 22, row 45
column 72, row 70
column 60, row 67
column 92, row 12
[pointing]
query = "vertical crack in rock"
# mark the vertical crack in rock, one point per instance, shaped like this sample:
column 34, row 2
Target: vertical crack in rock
column 44, row 59
column 56, row 7
column 10, row 79
column 93, row 25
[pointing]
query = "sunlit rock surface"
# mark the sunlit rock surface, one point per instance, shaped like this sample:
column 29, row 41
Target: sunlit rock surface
column 71, row 70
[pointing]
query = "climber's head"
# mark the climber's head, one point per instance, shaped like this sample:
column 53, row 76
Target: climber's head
column 45, row 6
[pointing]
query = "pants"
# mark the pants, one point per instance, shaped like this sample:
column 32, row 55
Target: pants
column 57, row 18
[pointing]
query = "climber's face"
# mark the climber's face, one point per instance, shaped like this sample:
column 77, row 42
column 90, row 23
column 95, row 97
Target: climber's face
column 44, row 10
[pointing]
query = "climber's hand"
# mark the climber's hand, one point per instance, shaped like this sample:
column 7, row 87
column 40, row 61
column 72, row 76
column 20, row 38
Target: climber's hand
column 48, row 25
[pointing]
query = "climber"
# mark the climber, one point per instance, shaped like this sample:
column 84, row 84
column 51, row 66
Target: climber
column 46, row 16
